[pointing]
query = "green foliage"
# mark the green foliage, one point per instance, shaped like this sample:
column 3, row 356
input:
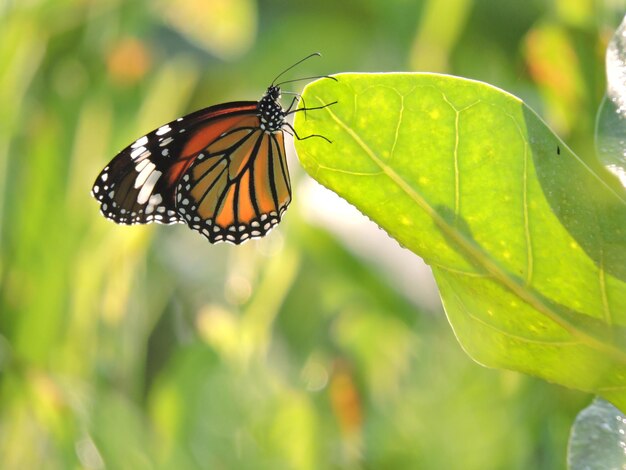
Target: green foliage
column 525, row 239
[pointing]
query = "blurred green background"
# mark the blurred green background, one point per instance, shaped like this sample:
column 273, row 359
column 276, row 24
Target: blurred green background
column 322, row 345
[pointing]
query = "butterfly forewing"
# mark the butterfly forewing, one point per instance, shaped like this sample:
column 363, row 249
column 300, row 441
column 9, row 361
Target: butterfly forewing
column 133, row 187
column 138, row 186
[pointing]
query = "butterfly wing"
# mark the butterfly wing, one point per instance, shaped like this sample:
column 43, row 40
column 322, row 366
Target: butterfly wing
column 138, row 185
column 238, row 187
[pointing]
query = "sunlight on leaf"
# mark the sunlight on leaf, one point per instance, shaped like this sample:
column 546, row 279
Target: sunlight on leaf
column 525, row 239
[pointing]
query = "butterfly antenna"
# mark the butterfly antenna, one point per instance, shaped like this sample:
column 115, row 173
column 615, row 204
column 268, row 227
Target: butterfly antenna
column 292, row 66
column 306, row 78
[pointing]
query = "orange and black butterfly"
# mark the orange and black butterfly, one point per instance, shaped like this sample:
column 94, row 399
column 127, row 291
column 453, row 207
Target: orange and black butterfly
column 221, row 170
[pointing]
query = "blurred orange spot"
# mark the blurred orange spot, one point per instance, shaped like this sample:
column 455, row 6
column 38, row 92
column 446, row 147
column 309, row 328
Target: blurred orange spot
column 128, row 61
column 552, row 61
column 554, row 65
column 345, row 400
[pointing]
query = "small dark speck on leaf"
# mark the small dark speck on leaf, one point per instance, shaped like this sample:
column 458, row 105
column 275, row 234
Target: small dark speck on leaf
column 558, row 150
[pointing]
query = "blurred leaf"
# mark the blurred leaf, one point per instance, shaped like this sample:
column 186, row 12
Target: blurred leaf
column 121, row 434
column 435, row 39
column 578, row 13
column 226, row 28
column 598, row 438
column 22, row 46
column 611, row 122
column 212, row 416
column 382, row 344
column 525, row 239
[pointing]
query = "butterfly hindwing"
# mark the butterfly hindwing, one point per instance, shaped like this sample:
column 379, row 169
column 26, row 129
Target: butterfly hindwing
column 238, row 186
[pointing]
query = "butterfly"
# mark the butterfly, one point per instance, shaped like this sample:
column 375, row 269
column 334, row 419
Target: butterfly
column 221, row 170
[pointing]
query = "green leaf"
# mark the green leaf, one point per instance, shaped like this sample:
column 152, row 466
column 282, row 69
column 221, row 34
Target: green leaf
column 527, row 241
column 598, row 438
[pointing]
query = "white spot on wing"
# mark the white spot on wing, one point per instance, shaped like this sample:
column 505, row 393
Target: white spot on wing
column 139, row 142
column 166, row 142
column 148, row 186
column 144, row 173
column 138, row 151
column 141, row 165
column 155, row 200
column 143, row 156
column 163, row 129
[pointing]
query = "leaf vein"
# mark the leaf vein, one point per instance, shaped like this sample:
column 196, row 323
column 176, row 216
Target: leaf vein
column 395, row 138
column 525, row 208
column 606, row 308
column 509, row 334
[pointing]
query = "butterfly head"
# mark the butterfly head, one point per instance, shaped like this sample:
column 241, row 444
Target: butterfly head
column 273, row 92
column 270, row 111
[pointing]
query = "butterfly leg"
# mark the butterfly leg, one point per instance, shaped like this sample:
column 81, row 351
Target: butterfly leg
column 295, row 134
column 305, row 109
column 295, row 100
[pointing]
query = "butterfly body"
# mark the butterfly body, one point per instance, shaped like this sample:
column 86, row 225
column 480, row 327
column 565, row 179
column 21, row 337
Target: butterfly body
column 221, row 170
column 270, row 111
